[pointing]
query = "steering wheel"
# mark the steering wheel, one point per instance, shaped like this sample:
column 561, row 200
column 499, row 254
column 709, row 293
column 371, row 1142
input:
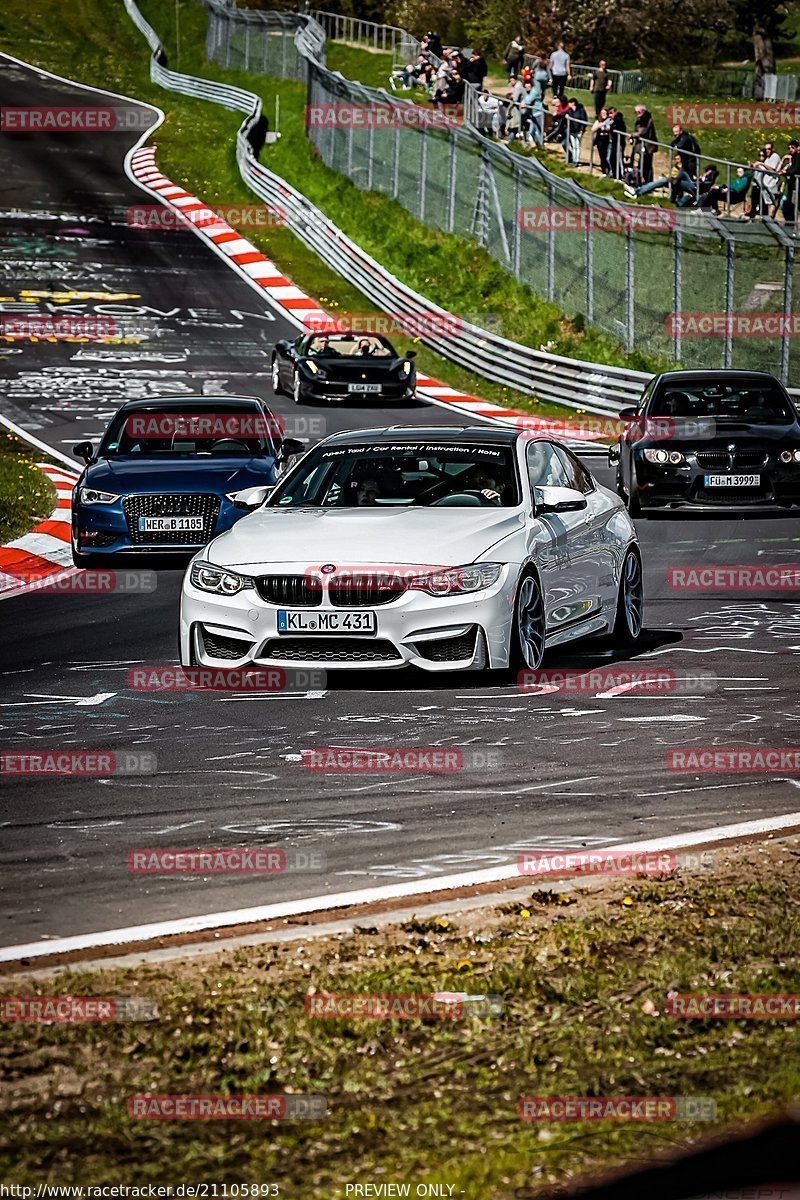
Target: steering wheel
column 225, row 445
column 473, row 493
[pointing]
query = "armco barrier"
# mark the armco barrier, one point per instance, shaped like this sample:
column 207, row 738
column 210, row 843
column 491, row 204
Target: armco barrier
column 578, row 385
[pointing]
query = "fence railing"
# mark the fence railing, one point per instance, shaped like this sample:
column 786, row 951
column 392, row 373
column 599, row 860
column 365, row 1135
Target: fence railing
column 584, row 386
column 612, row 269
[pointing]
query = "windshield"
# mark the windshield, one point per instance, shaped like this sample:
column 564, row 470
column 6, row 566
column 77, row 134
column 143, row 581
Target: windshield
column 762, row 403
column 153, row 432
column 404, row 475
column 349, row 345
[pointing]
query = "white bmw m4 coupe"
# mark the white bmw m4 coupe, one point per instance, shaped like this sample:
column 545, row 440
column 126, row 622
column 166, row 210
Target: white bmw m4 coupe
column 443, row 548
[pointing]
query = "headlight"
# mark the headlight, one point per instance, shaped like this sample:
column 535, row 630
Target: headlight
column 457, row 580
column 787, row 456
column 213, row 579
column 664, row 456
column 95, row 496
column 406, row 367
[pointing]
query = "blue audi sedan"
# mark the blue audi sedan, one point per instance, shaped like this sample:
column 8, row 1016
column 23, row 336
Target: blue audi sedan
column 165, row 476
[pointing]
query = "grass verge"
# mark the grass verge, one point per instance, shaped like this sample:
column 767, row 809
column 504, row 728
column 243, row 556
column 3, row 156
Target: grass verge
column 26, row 494
column 583, row 977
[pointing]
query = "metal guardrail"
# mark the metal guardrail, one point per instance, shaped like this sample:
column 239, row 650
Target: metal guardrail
column 589, row 387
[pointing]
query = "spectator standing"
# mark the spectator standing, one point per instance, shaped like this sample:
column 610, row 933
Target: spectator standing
column 616, row 150
column 600, row 84
column 644, row 139
column 771, row 183
column 541, row 77
column 560, row 72
column 577, row 122
column 433, row 43
column 532, row 115
column 489, row 113
column 790, row 167
column 601, row 138
column 689, row 148
column 515, row 56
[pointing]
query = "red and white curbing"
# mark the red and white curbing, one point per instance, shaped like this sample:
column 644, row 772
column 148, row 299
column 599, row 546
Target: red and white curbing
column 262, row 272
column 44, row 553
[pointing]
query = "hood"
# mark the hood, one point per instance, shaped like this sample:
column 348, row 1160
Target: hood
column 131, row 473
column 347, row 367
column 360, row 536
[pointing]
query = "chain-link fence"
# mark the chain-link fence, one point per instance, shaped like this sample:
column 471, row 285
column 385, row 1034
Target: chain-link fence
column 685, row 285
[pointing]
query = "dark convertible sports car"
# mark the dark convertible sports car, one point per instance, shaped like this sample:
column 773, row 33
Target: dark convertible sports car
column 165, row 476
column 709, row 439
column 341, row 366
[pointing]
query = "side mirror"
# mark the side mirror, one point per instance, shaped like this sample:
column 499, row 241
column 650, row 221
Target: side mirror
column 289, row 447
column 84, row 450
column 250, row 498
column 628, row 414
column 282, row 345
column 558, row 500
column 613, row 454
column 411, row 354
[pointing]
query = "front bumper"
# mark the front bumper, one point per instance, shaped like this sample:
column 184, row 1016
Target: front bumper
column 103, row 530
column 434, row 633
column 333, row 391
column 683, row 486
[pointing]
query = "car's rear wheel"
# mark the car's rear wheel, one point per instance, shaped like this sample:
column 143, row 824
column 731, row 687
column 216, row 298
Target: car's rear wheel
column 277, row 386
column 628, row 623
column 530, row 629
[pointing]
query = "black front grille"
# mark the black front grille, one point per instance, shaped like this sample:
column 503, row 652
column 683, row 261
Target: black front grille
column 302, row 590
column 365, row 591
column 326, row 650
column 171, row 504
column 738, row 460
column 450, row 649
column 748, row 460
column 218, row 646
column 713, row 458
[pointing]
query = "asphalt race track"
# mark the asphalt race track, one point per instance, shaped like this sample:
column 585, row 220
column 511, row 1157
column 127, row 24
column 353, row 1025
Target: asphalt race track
column 551, row 770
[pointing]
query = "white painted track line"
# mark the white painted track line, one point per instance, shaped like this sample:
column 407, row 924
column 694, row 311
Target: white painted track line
column 394, row 891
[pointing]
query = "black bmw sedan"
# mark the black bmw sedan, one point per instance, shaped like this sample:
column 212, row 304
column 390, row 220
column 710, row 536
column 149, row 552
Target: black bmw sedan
column 709, row 439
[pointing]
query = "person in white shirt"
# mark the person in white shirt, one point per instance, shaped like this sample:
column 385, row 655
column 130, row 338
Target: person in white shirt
column 560, row 72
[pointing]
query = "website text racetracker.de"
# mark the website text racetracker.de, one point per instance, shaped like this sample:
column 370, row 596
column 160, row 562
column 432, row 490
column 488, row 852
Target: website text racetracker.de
column 149, row 1191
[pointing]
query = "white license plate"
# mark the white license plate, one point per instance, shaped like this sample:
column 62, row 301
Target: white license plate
column 373, row 388
column 170, row 524
column 325, row 622
column 733, row 481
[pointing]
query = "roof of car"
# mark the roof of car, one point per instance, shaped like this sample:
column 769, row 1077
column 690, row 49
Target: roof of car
column 470, row 435
column 197, row 402
column 715, row 374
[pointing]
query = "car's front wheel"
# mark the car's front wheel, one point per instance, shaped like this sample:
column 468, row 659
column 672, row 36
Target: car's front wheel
column 629, row 619
column 530, row 628
column 277, row 386
column 298, row 394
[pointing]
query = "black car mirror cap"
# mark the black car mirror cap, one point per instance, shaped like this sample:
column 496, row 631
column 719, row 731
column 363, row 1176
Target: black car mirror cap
column 283, row 344
column 84, row 450
column 558, row 500
column 628, row 414
column 250, row 498
column 411, row 354
column 289, row 447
